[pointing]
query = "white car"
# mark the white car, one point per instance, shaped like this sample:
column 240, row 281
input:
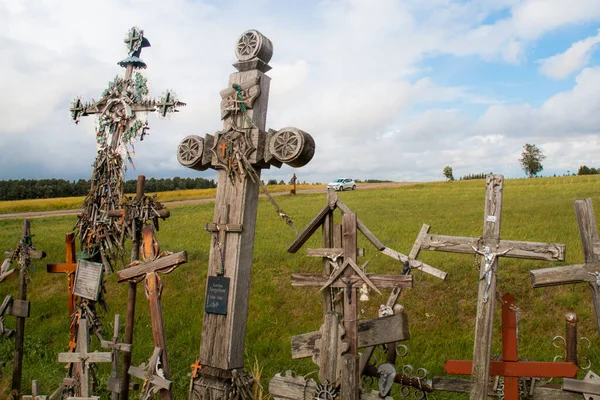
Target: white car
column 342, row 184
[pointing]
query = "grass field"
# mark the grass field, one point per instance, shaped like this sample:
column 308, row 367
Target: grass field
column 441, row 313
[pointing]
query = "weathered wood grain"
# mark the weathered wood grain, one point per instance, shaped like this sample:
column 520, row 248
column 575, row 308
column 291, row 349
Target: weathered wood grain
column 381, row 281
column 350, row 379
column 569, row 274
column 464, row 386
column 136, row 271
column 416, row 264
column 308, row 231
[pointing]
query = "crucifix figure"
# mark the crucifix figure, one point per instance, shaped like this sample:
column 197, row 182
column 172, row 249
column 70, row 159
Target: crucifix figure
column 238, row 152
column 122, row 118
column 23, row 255
column 578, row 273
column 497, row 248
column 83, row 358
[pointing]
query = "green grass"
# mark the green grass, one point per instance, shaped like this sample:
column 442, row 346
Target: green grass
column 441, row 313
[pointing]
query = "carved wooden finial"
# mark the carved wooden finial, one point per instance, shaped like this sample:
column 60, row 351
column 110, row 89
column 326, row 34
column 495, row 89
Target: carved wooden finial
column 253, row 51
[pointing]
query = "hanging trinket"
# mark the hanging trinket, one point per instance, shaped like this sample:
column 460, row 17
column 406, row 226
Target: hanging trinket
column 364, row 292
column 384, row 311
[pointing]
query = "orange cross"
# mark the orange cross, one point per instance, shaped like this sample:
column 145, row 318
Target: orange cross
column 195, row 368
column 223, row 147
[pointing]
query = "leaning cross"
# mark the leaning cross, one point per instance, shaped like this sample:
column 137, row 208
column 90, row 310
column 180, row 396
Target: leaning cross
column 487, row 283
column 153, row 377
column 578, row 273
column 68, row 268
column 113, row 381
column 23, row 254
column 510, row 367
column 238, row 152
column 84, row 358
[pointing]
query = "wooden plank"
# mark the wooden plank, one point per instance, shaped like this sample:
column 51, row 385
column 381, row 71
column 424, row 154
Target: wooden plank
column 35, row 254
column 350, row 378
column 213, row 227
column 392, row 328
column 381, row 281
column 308, row 231
column 18, row 308
column 330, row 347
column 416, row 264
column 327, row 242
column 416, row 248
column 569, row 274
column 464, row 386
column 362, row 227
column 153, row 266
column 332, row 252
column 292, row 388
column 455, row 385
column 350, row 297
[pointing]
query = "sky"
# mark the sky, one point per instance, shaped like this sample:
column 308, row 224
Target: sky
column 388, row 89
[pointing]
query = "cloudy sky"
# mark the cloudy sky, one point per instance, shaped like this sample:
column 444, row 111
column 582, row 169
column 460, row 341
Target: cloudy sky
column 388, row 89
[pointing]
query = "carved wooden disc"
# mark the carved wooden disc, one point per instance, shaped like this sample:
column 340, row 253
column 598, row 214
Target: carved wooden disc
column 189, row 152
column 253, row 44
column 292, row 146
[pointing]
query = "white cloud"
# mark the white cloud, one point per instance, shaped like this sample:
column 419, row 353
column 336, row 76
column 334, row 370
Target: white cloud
column 562, row 65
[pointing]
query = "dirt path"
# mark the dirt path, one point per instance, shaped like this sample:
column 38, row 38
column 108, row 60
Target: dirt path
column 60, row 213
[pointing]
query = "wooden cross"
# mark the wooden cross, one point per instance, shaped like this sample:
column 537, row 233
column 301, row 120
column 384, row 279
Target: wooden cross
column 589, row 386
column 153, row 377
column 83, row 358
column 113, row 381
column 578, row 273
column 35, row 392
column 243, row 110
column 23, row 254
column 68, row 268
column 510, row 367
column 490, row 246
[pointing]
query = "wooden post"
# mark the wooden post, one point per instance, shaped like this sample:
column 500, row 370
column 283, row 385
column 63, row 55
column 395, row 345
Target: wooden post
column 238, row 152
column 578, row 273
column 68, row 268
column 35, row 392
column 571, row 338
column 114, row 385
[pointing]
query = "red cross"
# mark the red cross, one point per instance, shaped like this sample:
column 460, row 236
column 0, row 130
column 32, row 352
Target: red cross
column 510, row 368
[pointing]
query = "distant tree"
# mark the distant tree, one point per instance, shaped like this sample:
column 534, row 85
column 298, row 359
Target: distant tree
column 585, row 170
column 531, row 159
column 448, row 173
column 272, row 182
column 281, row 182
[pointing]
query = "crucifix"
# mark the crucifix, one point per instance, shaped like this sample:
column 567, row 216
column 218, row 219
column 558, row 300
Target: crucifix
column 35, row 392
column 83, row 358
column 510, row 367
column 113, row 381
column 152, row 375
column 68, row 268
column 148, row 269
column 238, row 152
column 491, row 247
column 122, row 118
column 23, row 255
column 578, row 273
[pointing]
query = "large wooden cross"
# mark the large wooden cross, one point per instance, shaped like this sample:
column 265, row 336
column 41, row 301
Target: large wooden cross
column 68, row 268
column 114, row 385
column 578, row 273
column 238, row 152
column 490, row 247
column 23, row 254
column 510, row 367
column 83, row 357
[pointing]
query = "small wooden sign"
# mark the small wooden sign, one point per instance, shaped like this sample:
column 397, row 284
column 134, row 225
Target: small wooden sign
column 217, row 295
column 88, row 279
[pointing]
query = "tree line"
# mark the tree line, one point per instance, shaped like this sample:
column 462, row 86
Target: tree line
column 24, row 189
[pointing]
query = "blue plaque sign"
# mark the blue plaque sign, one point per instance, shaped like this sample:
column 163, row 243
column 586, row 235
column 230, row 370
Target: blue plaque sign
column 217, row 295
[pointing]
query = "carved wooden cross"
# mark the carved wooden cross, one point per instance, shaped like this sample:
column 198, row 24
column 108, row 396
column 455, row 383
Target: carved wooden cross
column 83, row 358
column 491, row 247
column 153, row 285
column 238, row 152
column 113, row 381
column 35, row 392
column 68, row 268
column 154, row 379
column 23, row 254
column 578, row 273
column 510, row 367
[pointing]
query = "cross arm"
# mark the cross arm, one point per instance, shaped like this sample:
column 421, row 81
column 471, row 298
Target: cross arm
column 159, row 265
column 35, row 254
column 531, row 369
column 58, row 268
column 107, row 344
column 381, row 281
column 576, row 273
column 392, row 328
column 414, row 263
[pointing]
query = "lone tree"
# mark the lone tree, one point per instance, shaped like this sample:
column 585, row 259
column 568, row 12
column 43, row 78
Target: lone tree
column 531, row 159
column 448, row 173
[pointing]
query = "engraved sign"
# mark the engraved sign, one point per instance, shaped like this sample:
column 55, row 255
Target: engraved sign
column 88, row 278
column 217, row 295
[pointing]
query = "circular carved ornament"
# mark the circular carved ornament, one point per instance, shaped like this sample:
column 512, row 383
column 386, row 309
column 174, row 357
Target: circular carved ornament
column 253, row 44
column 189, row 152
column 292, row 146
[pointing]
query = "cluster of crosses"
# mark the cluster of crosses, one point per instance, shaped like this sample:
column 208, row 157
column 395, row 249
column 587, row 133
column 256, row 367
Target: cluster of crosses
column 238, row 153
